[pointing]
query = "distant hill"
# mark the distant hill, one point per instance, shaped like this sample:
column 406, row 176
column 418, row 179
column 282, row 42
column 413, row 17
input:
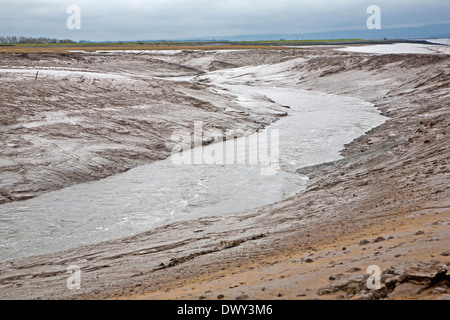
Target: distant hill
column 424, row 32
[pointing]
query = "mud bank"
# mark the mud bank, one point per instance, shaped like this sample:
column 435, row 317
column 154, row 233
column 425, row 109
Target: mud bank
column 52, row 106
column 393, row 183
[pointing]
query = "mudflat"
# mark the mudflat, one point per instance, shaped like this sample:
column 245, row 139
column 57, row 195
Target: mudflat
column 385, row 203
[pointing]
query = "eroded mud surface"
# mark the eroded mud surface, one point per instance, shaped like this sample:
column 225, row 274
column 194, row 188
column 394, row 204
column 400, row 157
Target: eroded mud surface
column 393, row 182
column 68, row 119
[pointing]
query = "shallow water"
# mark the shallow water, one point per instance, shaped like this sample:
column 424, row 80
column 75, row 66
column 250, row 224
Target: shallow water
column 150, row 196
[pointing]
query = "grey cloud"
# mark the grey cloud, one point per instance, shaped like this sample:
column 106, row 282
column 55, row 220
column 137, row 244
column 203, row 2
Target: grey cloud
column 157, row 19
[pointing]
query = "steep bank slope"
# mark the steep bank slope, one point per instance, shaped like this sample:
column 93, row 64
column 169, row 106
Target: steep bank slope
column 68, row 119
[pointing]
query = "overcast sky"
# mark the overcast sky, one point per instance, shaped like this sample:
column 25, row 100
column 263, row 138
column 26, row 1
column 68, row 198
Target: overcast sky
column 170, row 19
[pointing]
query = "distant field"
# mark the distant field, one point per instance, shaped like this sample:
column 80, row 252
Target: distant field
column 205, row 45
column 100, row 47
column 92, row 47
column 302, row 41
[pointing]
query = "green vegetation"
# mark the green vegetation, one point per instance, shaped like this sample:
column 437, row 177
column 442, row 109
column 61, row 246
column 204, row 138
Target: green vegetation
column 180, row 43
column 164, row 45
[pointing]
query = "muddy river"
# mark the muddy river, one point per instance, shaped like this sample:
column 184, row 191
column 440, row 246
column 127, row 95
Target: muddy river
column 150, row 196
